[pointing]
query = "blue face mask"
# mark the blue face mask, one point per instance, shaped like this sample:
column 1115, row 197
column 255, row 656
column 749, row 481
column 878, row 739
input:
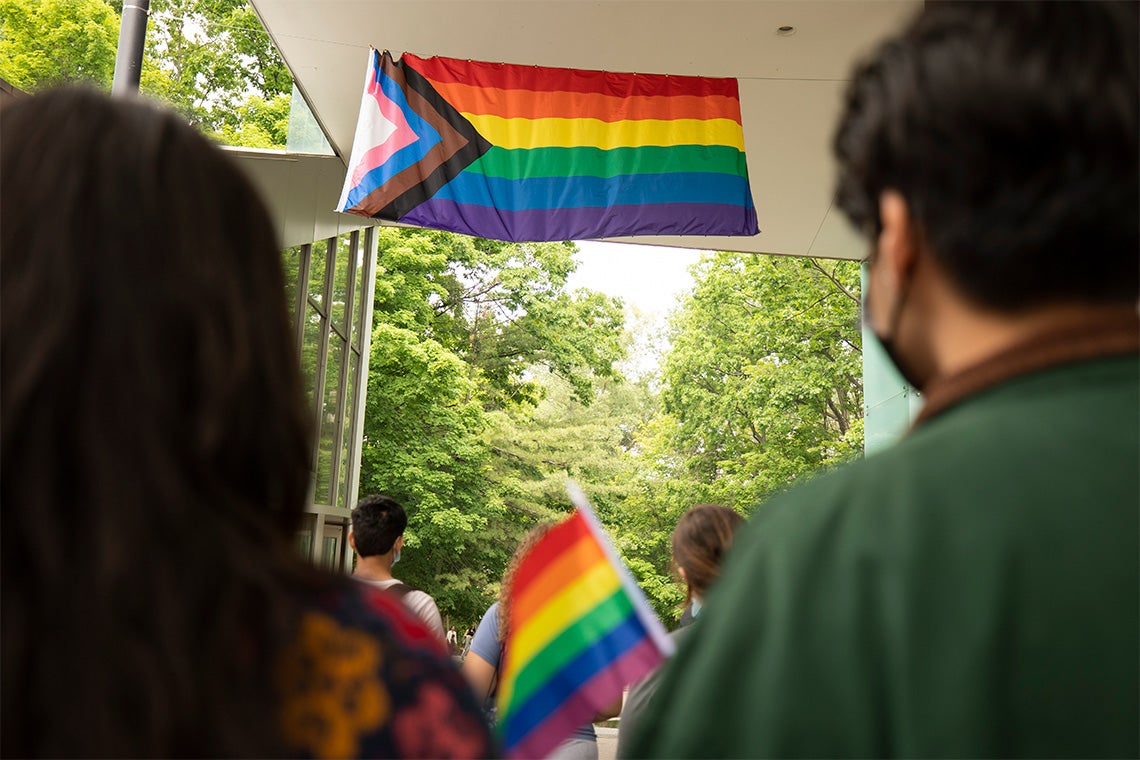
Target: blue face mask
column 396, row 558
column 696, row 606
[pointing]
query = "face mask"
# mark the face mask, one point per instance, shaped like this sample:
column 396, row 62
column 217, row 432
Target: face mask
column 696, row 606
column 396, row 558
column 888, row 344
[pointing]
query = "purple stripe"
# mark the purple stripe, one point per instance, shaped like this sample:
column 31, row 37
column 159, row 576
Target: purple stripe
column 584, row 223
column 595, row 694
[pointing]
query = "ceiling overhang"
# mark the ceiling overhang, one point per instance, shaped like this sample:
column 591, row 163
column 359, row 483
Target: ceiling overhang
column 790, row 86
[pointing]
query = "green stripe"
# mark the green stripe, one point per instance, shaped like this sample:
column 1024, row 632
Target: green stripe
column 602, row 619
column 595, row 162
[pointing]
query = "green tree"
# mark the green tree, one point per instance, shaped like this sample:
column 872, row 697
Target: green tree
column 209, row 59
column 260, row 123
column 502, row 307
column 538, row 449
column 763, row 383
column 599, row 447
column 52, row 42
column 424, row 446
column 464, row 331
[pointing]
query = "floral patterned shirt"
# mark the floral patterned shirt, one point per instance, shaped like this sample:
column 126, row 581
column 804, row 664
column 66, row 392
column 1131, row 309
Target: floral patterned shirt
column 365, row 678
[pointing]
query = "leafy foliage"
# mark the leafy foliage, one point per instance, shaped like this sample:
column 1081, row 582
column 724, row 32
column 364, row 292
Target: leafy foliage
column 764, row 380
column 490, row 386
column 214, row 62
column 466, row 332
column 54, row 42
column 209, row 59
column 762, row 385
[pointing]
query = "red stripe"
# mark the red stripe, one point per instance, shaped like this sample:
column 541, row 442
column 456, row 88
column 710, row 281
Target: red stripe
column 542, row 78
column 529, row 104
column 560, row 538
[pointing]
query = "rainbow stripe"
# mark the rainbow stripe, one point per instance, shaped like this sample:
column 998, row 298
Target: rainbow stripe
column 535, row 153
column 580, row 632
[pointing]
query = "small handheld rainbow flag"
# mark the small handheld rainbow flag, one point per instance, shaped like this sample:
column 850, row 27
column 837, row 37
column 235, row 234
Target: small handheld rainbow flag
column 520, row 153
column 580, row 632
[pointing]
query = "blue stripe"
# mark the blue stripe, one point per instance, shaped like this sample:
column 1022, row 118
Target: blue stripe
column 407, row 156
column 596, row 192
column 571, row 677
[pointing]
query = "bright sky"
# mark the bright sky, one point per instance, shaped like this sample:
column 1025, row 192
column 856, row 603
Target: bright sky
column 648, row 277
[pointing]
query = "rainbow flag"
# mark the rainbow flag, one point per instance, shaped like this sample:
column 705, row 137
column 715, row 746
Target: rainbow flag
column 580, row 632
column 534, row 153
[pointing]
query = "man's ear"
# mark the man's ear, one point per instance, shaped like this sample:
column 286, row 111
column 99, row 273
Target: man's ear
column 897, row 246
column 351, row 541
column 398, row 544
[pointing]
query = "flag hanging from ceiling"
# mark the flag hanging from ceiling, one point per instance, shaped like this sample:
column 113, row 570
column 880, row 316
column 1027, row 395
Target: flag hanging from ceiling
column 533, row 153
column 580, row 631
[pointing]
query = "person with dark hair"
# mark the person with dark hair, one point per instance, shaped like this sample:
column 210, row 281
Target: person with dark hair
column 701, row 541
column 972, row 591
column 377, row 537
column 155, row 447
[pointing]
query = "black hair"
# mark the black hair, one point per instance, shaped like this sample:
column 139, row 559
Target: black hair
column 155, row 439
column 377, row 522
column 1010, row 128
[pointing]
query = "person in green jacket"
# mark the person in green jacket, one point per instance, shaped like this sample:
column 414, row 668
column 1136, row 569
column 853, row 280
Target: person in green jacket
column 973, row 591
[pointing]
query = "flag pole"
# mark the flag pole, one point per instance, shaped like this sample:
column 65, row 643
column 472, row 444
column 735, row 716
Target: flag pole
column 641, row 606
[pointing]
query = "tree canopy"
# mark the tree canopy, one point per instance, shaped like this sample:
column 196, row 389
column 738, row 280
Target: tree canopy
column 468, row 337
column 54, row 42
column 490, row 385
column 209, row 59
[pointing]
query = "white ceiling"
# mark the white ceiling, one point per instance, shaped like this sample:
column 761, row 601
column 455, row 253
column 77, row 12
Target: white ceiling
column 790, row 86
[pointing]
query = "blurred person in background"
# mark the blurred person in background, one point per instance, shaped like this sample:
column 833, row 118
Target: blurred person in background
column 701, row 540
column 155, row 447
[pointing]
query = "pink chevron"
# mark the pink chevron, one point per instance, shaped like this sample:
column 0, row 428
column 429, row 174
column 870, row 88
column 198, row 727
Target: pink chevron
column 599, row 691
column 401, row 138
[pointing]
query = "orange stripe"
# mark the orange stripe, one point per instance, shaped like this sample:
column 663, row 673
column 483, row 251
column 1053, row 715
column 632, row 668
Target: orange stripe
column 529, row 104
column 571, row 564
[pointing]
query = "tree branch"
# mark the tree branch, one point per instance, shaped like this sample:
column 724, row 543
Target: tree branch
column 835, row 282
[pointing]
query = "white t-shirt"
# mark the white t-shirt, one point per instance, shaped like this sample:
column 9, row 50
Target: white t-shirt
column 420, row 603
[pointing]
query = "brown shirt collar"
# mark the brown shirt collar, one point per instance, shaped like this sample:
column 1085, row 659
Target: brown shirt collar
column 1093, row 338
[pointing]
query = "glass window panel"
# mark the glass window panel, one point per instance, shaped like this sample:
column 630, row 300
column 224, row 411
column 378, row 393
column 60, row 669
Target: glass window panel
column 330, row 552
column 305, row 537
column 317, row 272
column 291, row 263
column 358, row 302
column 340, row 281
column 305, row 135
column 310, row 347
column 305, row 544
column 349, row 416
column 328, row 440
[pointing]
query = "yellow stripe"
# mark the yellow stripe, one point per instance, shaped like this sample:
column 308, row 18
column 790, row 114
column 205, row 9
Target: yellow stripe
column 574, row 133
column 583, row 553
column 561, row 610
